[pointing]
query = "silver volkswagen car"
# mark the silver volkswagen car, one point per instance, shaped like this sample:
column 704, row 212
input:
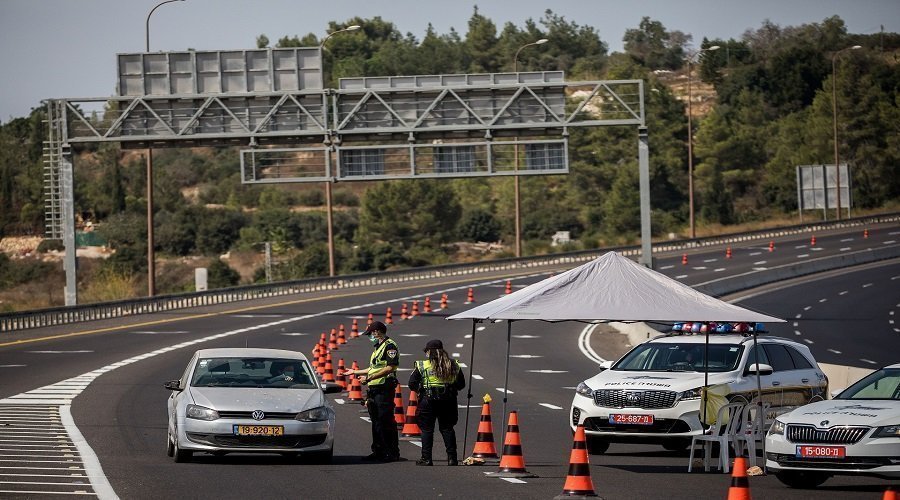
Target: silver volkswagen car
column 241, row 400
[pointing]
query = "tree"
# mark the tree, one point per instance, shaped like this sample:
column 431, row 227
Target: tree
column 221, row 275
column 655, row 48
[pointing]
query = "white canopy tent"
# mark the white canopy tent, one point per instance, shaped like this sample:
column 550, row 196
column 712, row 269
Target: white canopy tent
column 609, row 288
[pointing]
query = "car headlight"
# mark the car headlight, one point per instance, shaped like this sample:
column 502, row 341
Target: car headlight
column 584, row 390
column 314, row 415
column 888, row 431
column 777, row 428
column 691, row 394
column 201, row 413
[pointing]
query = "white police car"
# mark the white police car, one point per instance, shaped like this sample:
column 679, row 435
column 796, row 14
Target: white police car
column 857, row 432
column 652, row 394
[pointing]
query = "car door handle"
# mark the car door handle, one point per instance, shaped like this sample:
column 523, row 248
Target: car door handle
column 804, row 380
column 776, row 383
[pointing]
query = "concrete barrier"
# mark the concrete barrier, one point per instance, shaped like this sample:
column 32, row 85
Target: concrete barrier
column 841, row 377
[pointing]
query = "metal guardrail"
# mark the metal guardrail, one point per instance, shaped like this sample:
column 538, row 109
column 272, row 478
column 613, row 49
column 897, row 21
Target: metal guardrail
column 109, row 310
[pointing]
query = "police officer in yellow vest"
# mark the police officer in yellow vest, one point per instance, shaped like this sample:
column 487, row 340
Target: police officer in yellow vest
column 437, row 380
column 381, row 379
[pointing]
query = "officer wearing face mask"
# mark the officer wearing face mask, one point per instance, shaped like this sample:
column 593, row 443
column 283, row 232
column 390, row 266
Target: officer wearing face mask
column 381, row 380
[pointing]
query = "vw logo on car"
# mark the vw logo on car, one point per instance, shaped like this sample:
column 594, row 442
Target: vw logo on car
column 258, row 415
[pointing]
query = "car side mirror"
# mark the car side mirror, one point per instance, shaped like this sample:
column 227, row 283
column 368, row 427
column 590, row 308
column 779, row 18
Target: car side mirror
column 606, row 365
column 762, row 368
column 173, row 385
column 331, row 388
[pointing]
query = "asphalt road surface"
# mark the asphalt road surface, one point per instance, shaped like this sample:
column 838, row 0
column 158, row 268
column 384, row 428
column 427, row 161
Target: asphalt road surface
column 109, row 377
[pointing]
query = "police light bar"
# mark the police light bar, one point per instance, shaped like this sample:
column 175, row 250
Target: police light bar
column 688, row 328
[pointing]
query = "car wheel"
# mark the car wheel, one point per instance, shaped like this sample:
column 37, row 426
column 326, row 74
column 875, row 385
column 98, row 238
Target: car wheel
column 170, row 446
column 597, row 446
column 179, row 455
column 676, row 444
column 321, row 457
column 803, row 480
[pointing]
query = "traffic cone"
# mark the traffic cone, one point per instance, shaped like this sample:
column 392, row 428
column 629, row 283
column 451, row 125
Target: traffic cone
column 388, row 317
column 342, row 338
column 444, row 301
column 578, row 482
column 512, row 463
column 508, row 287
column 740, row 485
column 812, row 241
column 355, row 393
column 370, row 320
column 340, row 378
column 322, row 340
column 354, row 329
column 332, row 340
column 427, row 304
column 410, row 427
column 865, row 233
column 470, row 297
column 321, row 369
column 772, row 246
column 403, row 312
column 728, row 253
column 328, row 376
column 684, row 259
column 398, row 407
column 315, row 358
column 889, row 494
column 415, row 309
column 484, row 441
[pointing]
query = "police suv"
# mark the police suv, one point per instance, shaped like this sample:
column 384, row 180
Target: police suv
column 653, row 393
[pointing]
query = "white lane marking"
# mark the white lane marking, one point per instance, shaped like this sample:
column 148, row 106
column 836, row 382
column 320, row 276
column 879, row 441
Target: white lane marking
column 463, row 365
column 834, row 351
column 759, row 263
column 459, row 345
column 500, row 389
column 681, row 276
column 800, row 246
column 718, row 270
column 822, row 300
column 808, row 341
column 890, row 322
column 88, row 457
column 367, row 419
column 864, row 360
column 547, row 371
column 802, row 255
column 12, row 366
column 584, row 344
column 526, row 356
column 817, row 249
column 412, row 334
column 552, row 407
column 796, row 324
column 526, row 336
column 339, row 401
column 513, row 480
column 807, row 308
column 895, row 277
column 455, row 354
column 477, row 377
column 797, row 332
column 294, row 334
column 151, row 332
column 663, row 268
column 846, row 240
column 407, row 354
column 889, row 242
column 707, row 261
column 867, row 285
column 700, row 268
column 480, row 328
column 754, row 254
column 568, row 388
column 844, row 249
column 844, row 292
column 893, row 233
column 798, row 316
column 255, row 315
column 404, row 369
column 415, row 443
column 58, row 352
column 760, row 268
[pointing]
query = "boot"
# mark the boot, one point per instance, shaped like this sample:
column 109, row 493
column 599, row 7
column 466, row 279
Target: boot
column 452, row 461
column 424, row 461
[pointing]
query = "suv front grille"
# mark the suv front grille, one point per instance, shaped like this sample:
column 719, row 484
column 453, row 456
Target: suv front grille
column 835, row 435
column 620, row 398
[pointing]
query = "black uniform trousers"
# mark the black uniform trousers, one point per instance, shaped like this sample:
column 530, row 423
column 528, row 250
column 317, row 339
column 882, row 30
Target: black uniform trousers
column 446, row 413
column 380, row 403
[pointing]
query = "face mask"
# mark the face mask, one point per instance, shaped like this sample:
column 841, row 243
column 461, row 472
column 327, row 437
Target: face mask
column 373, row 340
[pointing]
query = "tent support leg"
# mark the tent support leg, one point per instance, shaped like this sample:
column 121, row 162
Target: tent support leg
column 469, row 387
column 705, row 399
column 759, row 400
column 506, row 380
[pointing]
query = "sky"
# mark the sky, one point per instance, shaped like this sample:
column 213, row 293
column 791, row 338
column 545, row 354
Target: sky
column 67, row 48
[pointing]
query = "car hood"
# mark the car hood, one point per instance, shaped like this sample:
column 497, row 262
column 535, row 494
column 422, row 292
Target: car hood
column 871, row 412
column 666, row 381
column 248, row 399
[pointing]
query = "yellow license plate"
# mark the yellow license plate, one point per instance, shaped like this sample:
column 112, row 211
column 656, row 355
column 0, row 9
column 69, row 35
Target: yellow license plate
column 259, row 430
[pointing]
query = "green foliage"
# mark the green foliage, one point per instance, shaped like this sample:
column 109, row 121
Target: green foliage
column 50, row 245
column 221, row 275
column 479, row 225
column 16, row 272
column 218, row 230
column 655, row 48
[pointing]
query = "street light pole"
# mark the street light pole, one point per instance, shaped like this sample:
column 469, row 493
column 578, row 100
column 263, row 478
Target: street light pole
column 328, row 204
column 151, row 255
column 691, row 140
column 834, row 120
column 516, row 158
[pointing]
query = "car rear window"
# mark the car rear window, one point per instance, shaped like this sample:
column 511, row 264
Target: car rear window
column 779, row 357
column 800, row 361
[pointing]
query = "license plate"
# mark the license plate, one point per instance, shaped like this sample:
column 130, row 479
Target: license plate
column 808, row 451
column 259, row 430
column 624, row 418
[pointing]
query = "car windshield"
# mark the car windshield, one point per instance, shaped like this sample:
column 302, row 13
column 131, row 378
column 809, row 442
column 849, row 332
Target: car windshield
column 688, row 357
column 253, row 372
column 883, row 384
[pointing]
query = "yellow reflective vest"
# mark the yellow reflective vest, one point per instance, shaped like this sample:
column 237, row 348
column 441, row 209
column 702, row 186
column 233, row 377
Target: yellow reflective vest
column 377, row 361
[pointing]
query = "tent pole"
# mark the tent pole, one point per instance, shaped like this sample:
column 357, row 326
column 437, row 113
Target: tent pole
column 469, row 386
column 759, row 401
column 506, row 381
column 705, row 380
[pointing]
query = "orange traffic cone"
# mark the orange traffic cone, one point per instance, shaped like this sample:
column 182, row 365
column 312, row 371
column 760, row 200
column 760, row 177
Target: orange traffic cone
column 512, row 463
column 578, row 482
column 354, row 366
column 370, row 320
column 410, row 427
column 340, row 378
column 866, row 235
column 444, row 301
column 812, row 241
column 342, row 337
column 322, row 340
column 315, row 358
column 484, row 441
column 403, row 312
column 728, row 252
column 684, row 259
column 889, row 494
column 508, row 287
column 355, row 393
column 740, row 485
column 354, row 329
column 415, row 309
column 332, row 340
column 328, row 376
column 321, row 369
column 427, row 304
column 398, row 407
column 470, row 297
column 388, row 317
column 772, row 246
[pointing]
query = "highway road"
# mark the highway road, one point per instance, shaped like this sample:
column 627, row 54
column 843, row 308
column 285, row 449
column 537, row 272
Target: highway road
column 92, row 395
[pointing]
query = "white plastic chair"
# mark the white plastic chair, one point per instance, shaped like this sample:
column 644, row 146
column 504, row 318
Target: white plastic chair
column 751, row 430
column 727, row 422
